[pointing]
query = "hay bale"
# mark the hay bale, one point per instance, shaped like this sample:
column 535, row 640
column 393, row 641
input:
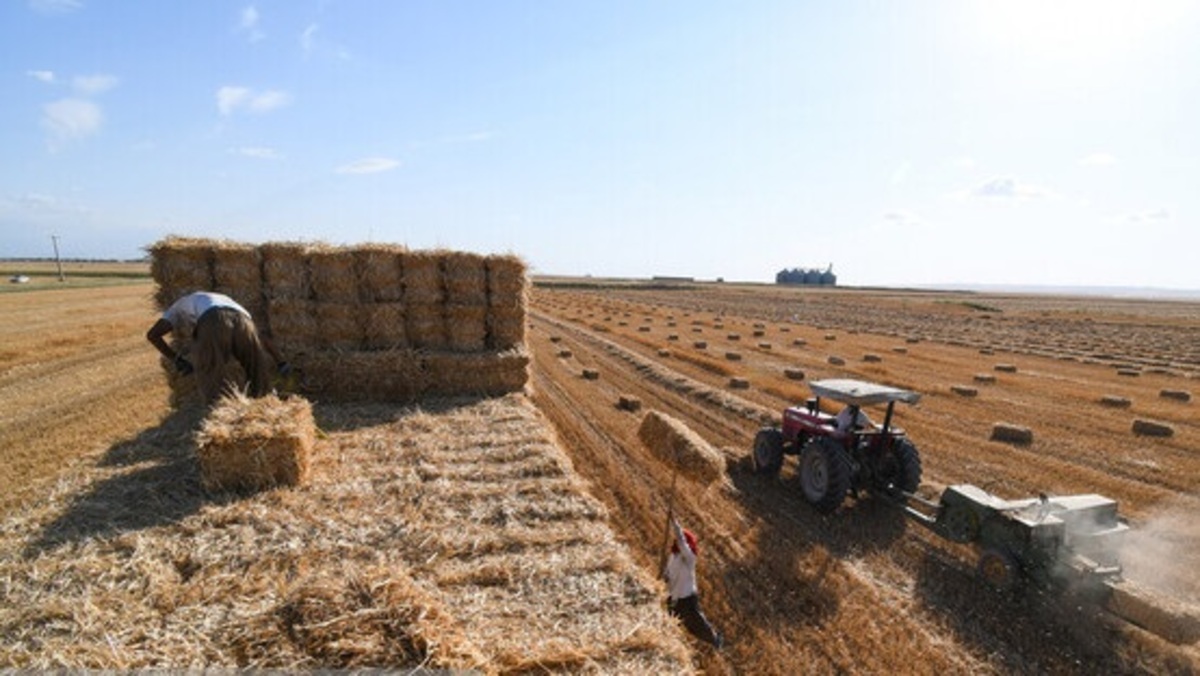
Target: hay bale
column 700, row 345
column 733, row 356
column 643, row 329
column 676, row 445
column 338, row 326
column 425, row 324
column 964, row 390
column 254, row 444
column 285, row 271
column 664, row 352
column 1177, row 395
column 764, row 346
column 488, row 374
column 793, row 374
column 837, row 361
column 293, row 324
column 733, row 337
column 900, row 350
column 335, row 275
column 506, row 327
column 912, row 341
column 830, row 336
column 799, row 342
column 673, row 337
column 628, row 402
column 759, row 334
column 180, row 265
column 1151, row 428
column 872, row 358
column 384, row 376
column 591, row 374
column 465, row 278
column 507, row 284
column 1006, row 368
column 381, row 279
column 422, row 275
column 985, row 378
column 237, row 273
column 384, row 326
column 565, row 353
column 739, row 384
column 466, row 327
column 1013, row 434
column 1129, row 373
column 1159, row 614
column 1114, row 401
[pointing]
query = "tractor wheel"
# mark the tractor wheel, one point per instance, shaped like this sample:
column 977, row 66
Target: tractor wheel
column 824, row 474
column 998, row 568
column 900, row 468
column 768, row 451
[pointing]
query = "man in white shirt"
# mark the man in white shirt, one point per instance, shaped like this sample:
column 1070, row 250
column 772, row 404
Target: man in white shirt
column 221, row 329
column 680, row 574
column 851, row 418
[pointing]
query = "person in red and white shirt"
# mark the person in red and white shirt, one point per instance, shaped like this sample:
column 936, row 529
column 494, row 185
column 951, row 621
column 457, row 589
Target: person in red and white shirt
column 680, row 574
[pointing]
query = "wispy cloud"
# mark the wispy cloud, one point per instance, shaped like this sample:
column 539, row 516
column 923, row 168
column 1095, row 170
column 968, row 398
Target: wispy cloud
column 90, row 85
column 46, row 76
column 248, row 24
column 1153, row 215
column 69, row 120
column 1007, row 188
column 368, row 165
column 257, row 152
column 55, row 6
column 1098, row 160
column 308, row 38
column 233, row 99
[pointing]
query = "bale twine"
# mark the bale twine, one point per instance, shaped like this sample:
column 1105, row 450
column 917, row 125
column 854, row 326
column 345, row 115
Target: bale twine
column 465, row 277
column 488, row 374
column 591, row 374
column 293, row 324
column 837, row 361
column 1114, row 401
column 422, row 278
column 1151, row 428
column 628, row 402
column 964, row 390
column 425, row 324
column 254, row 444
column 1006, row 368
column 1013, row 434
column 793, row 374
column 677, row 446
column 338, row 326
column 985, row 378
column 381, row 279
column 285, row 271
column 466, row 327
column 334, row 274
column 384, row 326
column 739, row 384
column 180, row 265
column 1177, row 395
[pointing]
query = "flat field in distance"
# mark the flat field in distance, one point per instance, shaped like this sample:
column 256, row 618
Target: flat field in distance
column 43, row 274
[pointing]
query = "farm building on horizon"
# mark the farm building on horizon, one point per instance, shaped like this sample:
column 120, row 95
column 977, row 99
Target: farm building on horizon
column 807, row 276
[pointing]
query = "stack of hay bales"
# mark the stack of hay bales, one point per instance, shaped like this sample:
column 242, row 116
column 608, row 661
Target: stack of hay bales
column 369, row 323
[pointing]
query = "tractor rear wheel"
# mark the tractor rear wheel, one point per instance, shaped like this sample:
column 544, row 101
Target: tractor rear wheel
column 900, row 468
column 824, row 474
column 768, row 451
column 998, row 568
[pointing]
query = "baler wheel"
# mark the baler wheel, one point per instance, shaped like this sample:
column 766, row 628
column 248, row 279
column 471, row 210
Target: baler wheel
column 998, row 568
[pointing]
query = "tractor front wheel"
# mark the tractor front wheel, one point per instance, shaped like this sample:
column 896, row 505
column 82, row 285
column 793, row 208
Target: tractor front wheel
column 824, row 474
column 998, row 568
column 768, row 451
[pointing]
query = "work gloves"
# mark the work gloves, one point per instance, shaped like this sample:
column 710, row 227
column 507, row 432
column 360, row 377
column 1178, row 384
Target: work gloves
column 183, row 366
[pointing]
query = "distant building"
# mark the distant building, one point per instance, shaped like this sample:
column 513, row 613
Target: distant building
column 807, row 276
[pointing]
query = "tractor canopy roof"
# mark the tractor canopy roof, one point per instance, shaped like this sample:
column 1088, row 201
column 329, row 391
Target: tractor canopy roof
column 861, row 393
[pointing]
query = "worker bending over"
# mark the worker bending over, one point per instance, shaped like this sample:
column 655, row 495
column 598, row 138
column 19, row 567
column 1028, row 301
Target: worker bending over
column 680, row 574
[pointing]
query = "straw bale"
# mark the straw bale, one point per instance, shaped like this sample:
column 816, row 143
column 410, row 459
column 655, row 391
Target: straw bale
column 591, row 374
column 485, row 373
column 793, row 374
column 1177, row 395
column 1130, row 373
column 465, row 277
column 506, row 281
column 285, row 271
column 739, row 384
column 799, row 342
column 426, row 326
column 180, row 265
column 254, row 444
column 334, row 274
column 384, row 326
column 237, row 273
column 422, row 278
column 872, row 358
column 1164, row 616
column 293, row 324
column 664, row 352
column 466, row 327
column 900, row 350
column 837, row 361
column 384, row 376
column 628, row 402
column 765, row 346
column 381, row 278
column 676, row 444
column 1015, row 434
column 964, row 390
column 1115, row 401
column 1151, row 428
column 1006, row 368
column 986, row 378
column 506, row 327
column 338, row 326
column 700, row 345
column 733, row 356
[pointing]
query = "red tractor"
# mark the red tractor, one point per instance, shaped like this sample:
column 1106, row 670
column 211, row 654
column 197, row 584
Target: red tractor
column 846, row 452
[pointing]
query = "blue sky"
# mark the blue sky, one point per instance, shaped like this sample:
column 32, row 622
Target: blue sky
column 924, row 142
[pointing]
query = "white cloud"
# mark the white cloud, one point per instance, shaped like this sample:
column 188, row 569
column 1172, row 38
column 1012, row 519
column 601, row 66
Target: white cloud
column 248, row 24
column 233, row 99
column 90, row 85
column 46, row 76
column 308, row 37
column 1004, row 187
column 257, row 152
column 1098, row 160
column 70, row 119
column 1149, row 216
column 55, row 6
column 368, row 165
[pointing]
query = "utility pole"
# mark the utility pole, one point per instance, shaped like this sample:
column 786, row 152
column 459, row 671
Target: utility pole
column 57, row 260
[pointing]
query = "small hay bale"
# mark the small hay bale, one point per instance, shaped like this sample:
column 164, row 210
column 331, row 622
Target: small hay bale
column 465, row 277
column 643, row 329
column 837, row 361
column 422, row 275
column 1005, row 368
column 830, row 336
column 986, row 351
column 293, row 324
column 384, row 327
column 1177, row 395
column 675, row 444
column 334, row 274
column 664, row 352
column 1114, row 401
column 1161, row 615
column 1013, row 434
column 759, row 334
column 591, row 374
column 985, row 378
column 764, row 346
column 734, row 337
column 912, row 341
column 964, row 390
column 628, row 402
column 255, row 444
column 673, row 337
column 506, row 281
column 338, row 326
column 488, row 374
column 505, row 327
column 180, row 265
column 1151, row 428
column 565, row 353
column 383, row 376
column 872, row 358
column 381, row 279
column 733, row 356
column 739, row 384
column 285, row 271
column 700, row 345
column 793, row 374
column 799, row 342
column 555, row 339
column 466, row 327
column 1129, row 373
column 237, row 273
column 900, row 350
column 425, row 325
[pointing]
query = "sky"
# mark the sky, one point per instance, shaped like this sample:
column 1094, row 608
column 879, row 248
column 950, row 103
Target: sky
column 904, row 143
